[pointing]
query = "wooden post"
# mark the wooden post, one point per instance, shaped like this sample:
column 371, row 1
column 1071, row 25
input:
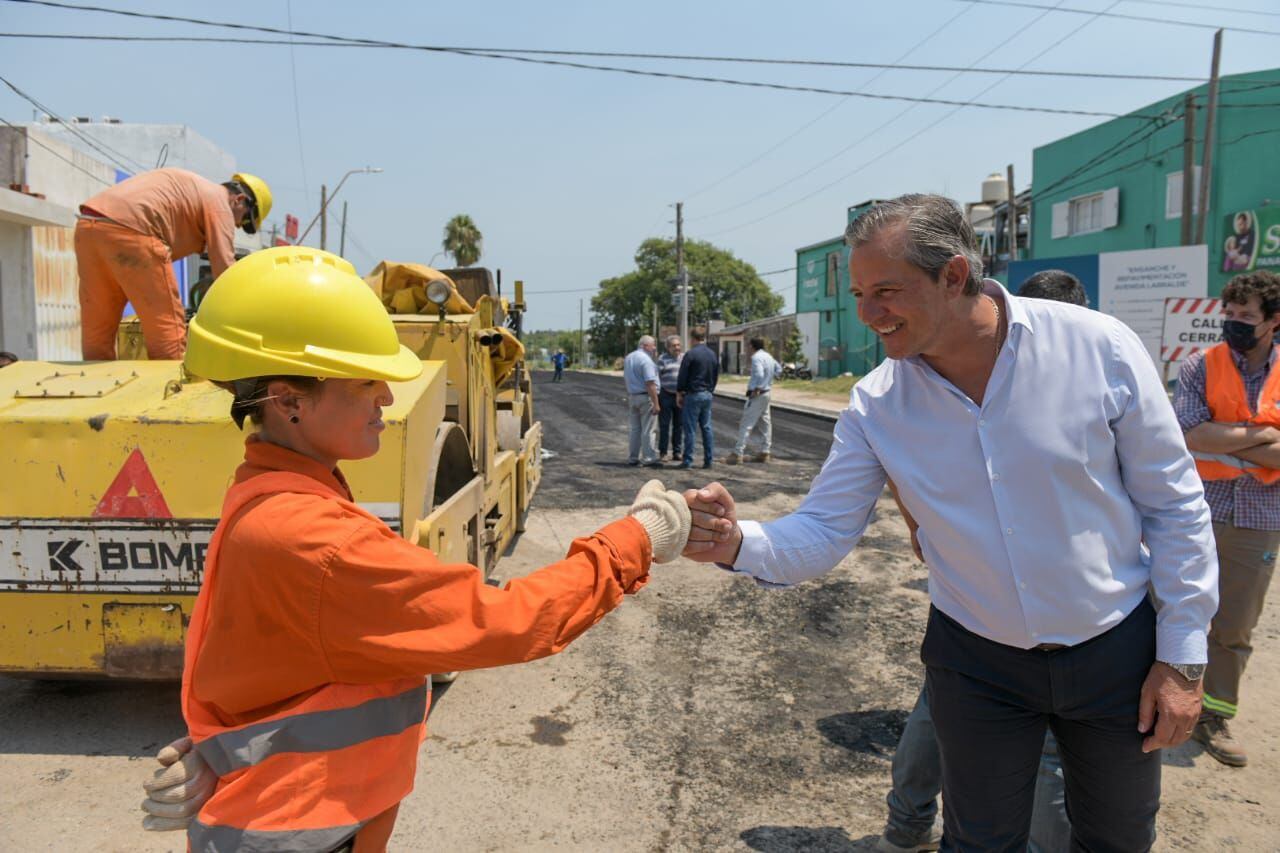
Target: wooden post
column 1013, row 222
column 324, row 217
column 1210, row 125
column 1188, row 167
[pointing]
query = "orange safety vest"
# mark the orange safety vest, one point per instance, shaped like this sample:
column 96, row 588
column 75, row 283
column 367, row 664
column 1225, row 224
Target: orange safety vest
column 1229, row 404
column 308, row 777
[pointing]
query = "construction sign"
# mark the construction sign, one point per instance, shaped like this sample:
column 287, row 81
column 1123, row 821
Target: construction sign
column 1190, row 325
column 134, row 493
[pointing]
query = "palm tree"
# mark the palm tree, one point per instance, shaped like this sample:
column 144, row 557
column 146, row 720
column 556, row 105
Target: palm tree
column 462, row 239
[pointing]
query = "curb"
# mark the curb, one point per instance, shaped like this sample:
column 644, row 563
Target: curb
column 795, row 408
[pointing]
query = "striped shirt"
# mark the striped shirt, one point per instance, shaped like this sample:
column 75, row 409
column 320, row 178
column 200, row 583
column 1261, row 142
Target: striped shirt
column 669, row 371
column 1244, row 501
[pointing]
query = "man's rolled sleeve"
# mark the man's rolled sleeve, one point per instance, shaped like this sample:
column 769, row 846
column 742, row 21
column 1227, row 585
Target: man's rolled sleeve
column 1189, row 403
column 1160, row 477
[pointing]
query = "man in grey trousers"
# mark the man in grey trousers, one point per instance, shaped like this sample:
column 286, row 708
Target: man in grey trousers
column 641, row 374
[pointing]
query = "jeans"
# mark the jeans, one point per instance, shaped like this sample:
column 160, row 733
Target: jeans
column 991, row 704
column 641, row 423
column 917, row 781
column 697, row 412
column 670, row 423
column 559, row 374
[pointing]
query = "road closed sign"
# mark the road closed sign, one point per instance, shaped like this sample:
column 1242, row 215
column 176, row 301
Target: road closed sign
column 1190, row 325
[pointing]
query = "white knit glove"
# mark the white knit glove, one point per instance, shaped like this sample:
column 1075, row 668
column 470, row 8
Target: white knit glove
column 665, row 516
column 179, row 789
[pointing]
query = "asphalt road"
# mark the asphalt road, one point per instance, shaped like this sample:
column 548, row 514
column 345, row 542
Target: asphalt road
column 584, row 422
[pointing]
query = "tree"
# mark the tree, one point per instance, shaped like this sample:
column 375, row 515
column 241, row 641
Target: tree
column 462, row 239
column 622, row 310
column 794, row 352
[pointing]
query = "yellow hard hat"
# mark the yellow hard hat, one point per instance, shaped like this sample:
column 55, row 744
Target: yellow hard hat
column 261, row 198
column 295, row 311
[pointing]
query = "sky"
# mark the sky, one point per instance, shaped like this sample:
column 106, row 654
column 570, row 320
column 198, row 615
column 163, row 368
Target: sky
column 566, row 171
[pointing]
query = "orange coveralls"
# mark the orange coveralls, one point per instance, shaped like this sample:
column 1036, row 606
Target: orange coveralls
column 125, row 254
column 312, row 607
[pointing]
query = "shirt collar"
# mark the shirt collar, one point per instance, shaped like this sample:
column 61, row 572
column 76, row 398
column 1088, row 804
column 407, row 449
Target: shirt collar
column 262, row 457
column 1015, row 311
column 1242, row 362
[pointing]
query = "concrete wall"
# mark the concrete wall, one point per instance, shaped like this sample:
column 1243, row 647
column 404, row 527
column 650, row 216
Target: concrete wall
column 844, row 344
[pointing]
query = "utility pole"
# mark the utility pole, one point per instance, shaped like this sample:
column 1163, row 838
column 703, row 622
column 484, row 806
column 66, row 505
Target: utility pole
column 1210, row 125
column 342, row 240
column 582, row 354
column 324, row 215
column 1188, row 167
column 655, row 320
column 682, row 276
column 1012, row 216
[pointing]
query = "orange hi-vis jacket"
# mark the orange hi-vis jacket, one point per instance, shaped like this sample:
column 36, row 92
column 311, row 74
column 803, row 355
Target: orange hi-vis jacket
column 1228, row 403
column 307, row 658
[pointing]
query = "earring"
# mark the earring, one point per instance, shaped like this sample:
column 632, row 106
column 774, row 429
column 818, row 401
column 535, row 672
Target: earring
column 293, row 419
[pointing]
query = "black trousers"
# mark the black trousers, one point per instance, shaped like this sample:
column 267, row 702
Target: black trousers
column 670, row 424
column 991, row 703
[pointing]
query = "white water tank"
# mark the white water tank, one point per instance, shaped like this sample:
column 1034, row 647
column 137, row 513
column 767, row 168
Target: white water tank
column 980, row 216
column 995, row 188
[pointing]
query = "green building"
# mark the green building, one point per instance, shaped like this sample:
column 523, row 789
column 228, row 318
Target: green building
column 1118, row 186
column 835, row 341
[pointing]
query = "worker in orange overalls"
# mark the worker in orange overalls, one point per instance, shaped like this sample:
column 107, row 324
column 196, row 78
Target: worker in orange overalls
column 306, row 685
column 128, row 237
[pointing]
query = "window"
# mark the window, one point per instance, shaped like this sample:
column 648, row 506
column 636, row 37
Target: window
column 1173, row 193
column 1087, row 214
column 833, row 272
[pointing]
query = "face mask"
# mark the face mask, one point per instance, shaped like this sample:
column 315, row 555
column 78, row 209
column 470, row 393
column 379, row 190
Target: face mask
column 1241, row 337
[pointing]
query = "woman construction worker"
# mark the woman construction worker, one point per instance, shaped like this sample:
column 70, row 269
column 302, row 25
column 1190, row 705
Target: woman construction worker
column 306, row 683
column 128, row 237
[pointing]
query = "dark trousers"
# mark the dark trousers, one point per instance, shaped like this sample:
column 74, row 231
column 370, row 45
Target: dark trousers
column 670, row 424
column 991, row 704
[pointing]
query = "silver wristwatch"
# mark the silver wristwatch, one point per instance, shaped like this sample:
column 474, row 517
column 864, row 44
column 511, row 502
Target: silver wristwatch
column 1189, row 671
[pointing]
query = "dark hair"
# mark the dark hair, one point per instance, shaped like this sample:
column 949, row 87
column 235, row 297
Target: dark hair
column 8, row 358
column 697, row 334
column 1263, row 284
column 1055, row 285
column 757, row 343
column 251, row 394
column 936, row 230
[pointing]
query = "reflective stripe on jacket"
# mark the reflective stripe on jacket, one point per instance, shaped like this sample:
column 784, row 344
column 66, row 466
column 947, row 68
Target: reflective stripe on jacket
column 1228, row 404
column 305, row 682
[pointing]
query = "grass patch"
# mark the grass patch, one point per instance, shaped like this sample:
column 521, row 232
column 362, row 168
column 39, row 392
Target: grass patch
column 835, row 386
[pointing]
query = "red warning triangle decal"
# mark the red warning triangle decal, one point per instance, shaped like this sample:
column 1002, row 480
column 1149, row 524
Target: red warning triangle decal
column 133, row 493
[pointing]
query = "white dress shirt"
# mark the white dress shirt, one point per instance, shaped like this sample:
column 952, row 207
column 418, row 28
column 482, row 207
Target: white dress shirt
column 763, row 370
column 1033, row 507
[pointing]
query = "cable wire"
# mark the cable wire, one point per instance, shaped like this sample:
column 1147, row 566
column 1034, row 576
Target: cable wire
column 101, row 147
column 577, row 65
column 55, row 153
column 1143, row 18
column 297, row 111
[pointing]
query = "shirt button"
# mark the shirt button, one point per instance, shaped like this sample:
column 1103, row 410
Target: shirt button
column 1008, row 531
column 995, row 476
column 982, row 421
column 1022, row 584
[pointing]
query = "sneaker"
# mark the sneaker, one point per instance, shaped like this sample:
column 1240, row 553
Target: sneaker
column 732, row 459
column 633, row 462
column 762, row 457
column 930, row 842
column 1212, row 733
column 686, row 464
column 706, row 464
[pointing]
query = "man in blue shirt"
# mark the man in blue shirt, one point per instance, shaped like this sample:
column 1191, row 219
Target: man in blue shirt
column 641, row 374
column 764, row 369
column 699, row 373
column 1034, row 444
column 559, row 360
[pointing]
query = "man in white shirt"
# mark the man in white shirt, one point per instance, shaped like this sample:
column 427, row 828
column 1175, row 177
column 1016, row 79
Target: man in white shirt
column 640, row 372
column 1035, row 446
column 764, row 369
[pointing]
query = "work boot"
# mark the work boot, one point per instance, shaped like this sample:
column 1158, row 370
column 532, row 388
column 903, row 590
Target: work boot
column 931, row 841
column 733, row 458
column 1212, row 733
column 762, row 457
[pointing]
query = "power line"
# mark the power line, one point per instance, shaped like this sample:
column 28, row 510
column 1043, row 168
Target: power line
column 55, row 153
column 776, row 272
column 912, row 136
column 675, row 57
column 828, row 111
column 1145, row 19
column 1203, row 7
column 297, row 111
column 862, row 138
column 101, row 148
column 579, row 65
